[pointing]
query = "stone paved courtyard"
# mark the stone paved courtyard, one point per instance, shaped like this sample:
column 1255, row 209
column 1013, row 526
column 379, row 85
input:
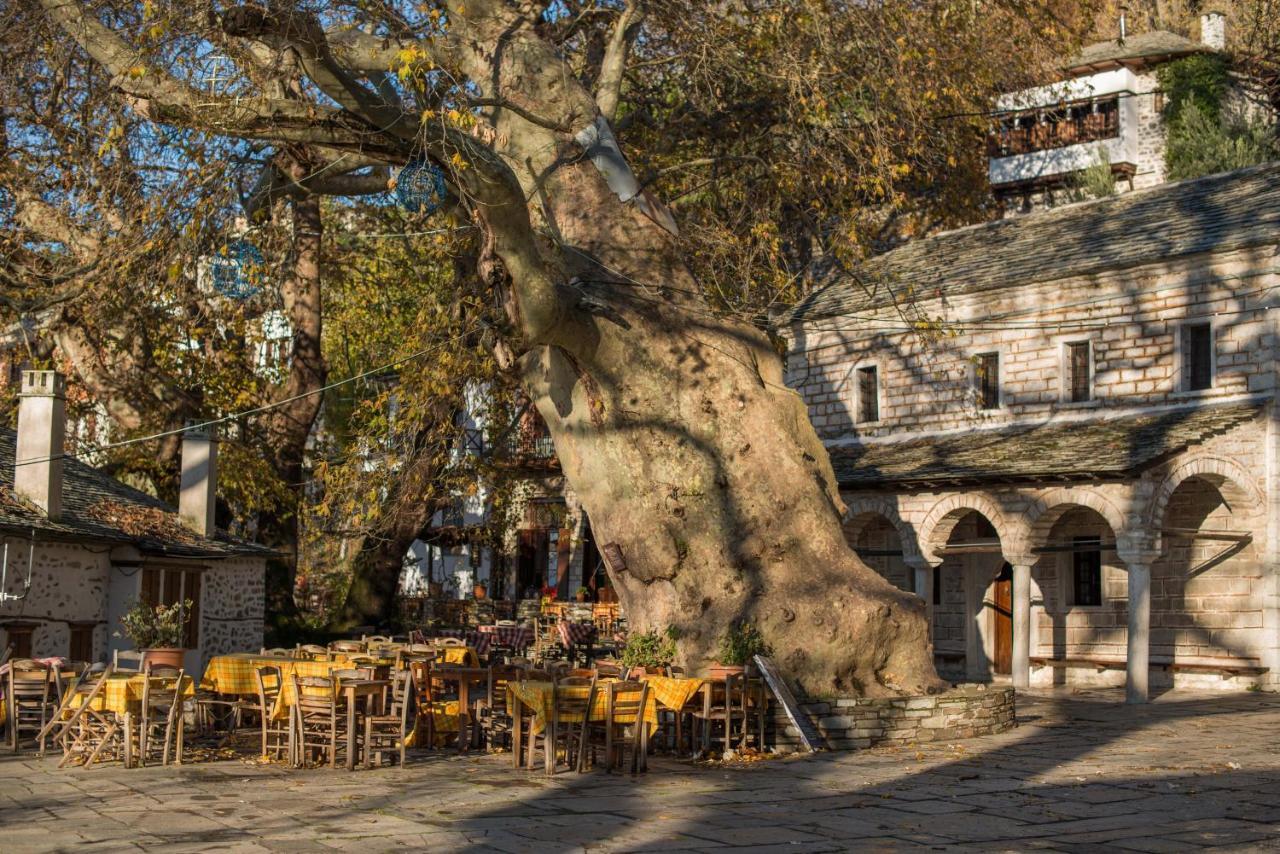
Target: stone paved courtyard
column 1080, row 772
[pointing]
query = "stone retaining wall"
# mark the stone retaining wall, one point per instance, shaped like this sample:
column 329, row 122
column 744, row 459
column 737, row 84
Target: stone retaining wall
column 966, row 711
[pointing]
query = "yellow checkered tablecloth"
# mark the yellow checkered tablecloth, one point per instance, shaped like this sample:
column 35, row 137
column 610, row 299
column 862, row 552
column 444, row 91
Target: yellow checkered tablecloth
column 233, row 674
column 462, row 655
column 537, row 696
column 671, row 692
column 122, row 692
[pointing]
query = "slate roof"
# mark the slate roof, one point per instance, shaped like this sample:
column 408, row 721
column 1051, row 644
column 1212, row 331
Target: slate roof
column 1221, row 212
column 1104, row 449
column 1138, row 48
column 83, row 487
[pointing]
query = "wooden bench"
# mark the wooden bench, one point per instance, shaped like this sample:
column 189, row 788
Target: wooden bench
column 1225, row 669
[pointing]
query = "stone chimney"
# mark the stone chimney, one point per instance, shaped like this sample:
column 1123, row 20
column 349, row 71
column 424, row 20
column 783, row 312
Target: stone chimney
column 1213, row 30
column 42, row 428
column 199, row 484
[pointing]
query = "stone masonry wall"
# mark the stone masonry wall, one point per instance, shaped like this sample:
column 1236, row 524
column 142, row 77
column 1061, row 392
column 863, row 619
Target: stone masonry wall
column 927, row 385
column 967, row 711
column 231, row 615
column 68, row 586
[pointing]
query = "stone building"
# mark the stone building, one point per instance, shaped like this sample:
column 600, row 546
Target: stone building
column 78, row 548
column 1061, row 431
column 1106, row 109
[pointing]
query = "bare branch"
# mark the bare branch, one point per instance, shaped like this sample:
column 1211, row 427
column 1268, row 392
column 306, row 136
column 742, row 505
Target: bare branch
column 609, row 88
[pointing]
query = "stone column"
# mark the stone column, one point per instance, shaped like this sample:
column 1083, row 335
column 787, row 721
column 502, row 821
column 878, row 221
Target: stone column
column 1137, row 667
column 1022, row 624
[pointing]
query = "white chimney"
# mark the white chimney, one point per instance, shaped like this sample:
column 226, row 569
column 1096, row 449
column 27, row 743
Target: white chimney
column 42, row 427
column 199, row 484
column 1213, row 30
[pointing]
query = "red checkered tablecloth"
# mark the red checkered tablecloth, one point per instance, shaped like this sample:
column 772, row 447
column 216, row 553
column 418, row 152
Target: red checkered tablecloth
column 518, row 638
column 573, row 634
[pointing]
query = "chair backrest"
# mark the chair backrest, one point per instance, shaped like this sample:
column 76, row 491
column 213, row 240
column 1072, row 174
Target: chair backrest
column 450, row 642
column 568, row 698
column 401, row 694
column 6, row 655
column 315, row 651
column 127, row 660
column 269, row 680
column 277, row 652
column 532, row 675
column 608, row 671
column 424, row 648
column 161, row 688
column 626, row 699
column 31, row 682
column 348, row 646
column 352, row 673
column 581, row 672
column 511, row 623
column 499, row 677
column 377, row 639
column 575, row 680
column 314, row 695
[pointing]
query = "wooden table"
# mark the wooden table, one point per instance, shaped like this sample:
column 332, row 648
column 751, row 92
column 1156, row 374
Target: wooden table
column 353, row 689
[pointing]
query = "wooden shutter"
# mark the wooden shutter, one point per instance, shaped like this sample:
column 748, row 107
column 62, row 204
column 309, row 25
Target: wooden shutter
column 1078, row 365
column 191, row 591
column 149, row 590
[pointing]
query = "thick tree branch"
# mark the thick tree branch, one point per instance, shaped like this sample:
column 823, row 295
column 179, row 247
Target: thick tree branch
column 612, row 68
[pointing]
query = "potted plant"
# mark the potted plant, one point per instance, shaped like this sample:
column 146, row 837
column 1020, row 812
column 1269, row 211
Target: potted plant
column 606, row 594
column 158, row 631
column 583, row 594
column 739, row 645
column 649, row 652
column 480, row 590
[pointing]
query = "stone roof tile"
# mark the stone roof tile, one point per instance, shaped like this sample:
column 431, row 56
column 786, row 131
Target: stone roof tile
column 1110, row 448
column 1221, row 212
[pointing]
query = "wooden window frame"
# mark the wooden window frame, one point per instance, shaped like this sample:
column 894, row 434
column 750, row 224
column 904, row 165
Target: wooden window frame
column 154, row 587
column 861, row 413
column 983, row 390
column 1069, row 349
column 1077, row 561
column 1186, row 370
column 82, row 653
column 15, row 630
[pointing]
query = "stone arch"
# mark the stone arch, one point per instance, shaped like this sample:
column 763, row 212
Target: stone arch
column 1048, row 508
column 864, row 511
column 943, row 517
column 1230, row 478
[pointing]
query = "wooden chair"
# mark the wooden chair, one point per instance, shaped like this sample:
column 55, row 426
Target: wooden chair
column 723, row 703
column 581, row 673
column 446, row 643
column 160, row 714
column 32, row 695
column 492, row 714
column 126, row 661
column 386, row 733
column 317, row 726
column 624, row 709
column 275, row 734
column 568, row 702
column 423, row 697
column 88, row 732
column 6, row 655
column 277, row 652
column 368, row 639
column 608, row 670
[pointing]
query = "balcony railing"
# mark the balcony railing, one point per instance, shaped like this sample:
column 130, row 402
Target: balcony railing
column 1042, row 130
column 520, row 445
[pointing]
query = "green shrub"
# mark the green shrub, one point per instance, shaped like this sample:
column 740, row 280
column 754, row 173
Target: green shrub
column 157, row 626
column 650, row 649
column 741, row 643
column 1198, row 145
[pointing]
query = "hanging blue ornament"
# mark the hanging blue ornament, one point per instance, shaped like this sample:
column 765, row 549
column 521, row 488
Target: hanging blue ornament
column 237, row 270
column 420, row 186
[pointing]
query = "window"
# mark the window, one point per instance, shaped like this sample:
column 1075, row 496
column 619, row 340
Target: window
column 937, row 585
column 868, row 395
column 167, row 586
column 1078, row 365
column 1086, row 571
column 81, row 646
column 19, row 635
column 1197, row 356
column 987, row 380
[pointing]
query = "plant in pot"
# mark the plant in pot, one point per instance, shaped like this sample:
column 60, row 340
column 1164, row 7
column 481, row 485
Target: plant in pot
column 583, row 594
column 649, row 652
column 738, row 647
column 158, row 631
column 480, row 590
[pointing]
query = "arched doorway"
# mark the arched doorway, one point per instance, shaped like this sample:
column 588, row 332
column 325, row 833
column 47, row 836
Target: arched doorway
column 1082, row 586
column 973, row 630
column 1208, row 587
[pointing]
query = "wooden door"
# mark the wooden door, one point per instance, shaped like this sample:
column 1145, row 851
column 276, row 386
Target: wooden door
column 531, row 544
column 1002, row 621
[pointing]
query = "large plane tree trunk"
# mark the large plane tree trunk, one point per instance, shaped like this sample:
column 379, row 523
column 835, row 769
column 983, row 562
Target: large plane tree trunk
column 711, row 495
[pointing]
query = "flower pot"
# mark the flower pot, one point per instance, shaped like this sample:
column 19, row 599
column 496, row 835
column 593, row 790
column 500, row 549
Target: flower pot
column 719, row 671
column 168, row 656
column 606, row 595
column 581, row 597
column 480, row 591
